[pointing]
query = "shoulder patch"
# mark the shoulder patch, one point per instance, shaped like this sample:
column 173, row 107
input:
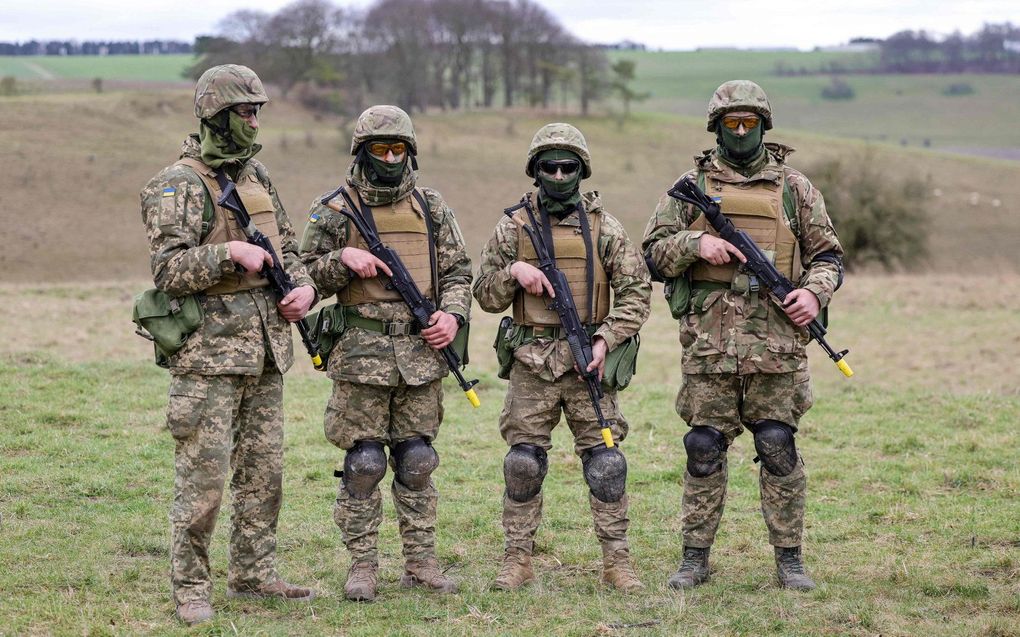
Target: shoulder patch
column 314, row 217
column 169, row 191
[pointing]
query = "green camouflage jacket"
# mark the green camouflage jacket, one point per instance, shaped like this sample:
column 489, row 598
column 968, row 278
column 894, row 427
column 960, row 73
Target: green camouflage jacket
column 495, row 288
column 242, row 332
column 362, row 356
column 730, row 332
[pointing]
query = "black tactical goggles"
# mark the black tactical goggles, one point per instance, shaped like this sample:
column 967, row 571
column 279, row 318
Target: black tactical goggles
column 567, row 166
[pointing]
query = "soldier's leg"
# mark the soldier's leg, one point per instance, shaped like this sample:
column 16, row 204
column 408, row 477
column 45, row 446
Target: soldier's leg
column 605, row 471
column 530, row 411
column 772, row 409
column 200, row 413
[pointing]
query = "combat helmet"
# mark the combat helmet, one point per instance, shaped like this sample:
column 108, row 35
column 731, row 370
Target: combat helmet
column 563, row 137
column 226, row 85
column 384, row 121
column 739, row 95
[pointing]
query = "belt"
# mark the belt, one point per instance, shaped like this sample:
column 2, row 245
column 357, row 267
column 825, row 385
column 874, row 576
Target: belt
column 394, row 328
column 531, row 332
column 709, row 285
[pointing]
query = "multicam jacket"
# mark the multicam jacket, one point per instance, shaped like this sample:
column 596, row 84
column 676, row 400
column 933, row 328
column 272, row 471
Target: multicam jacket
column 242, row 332
column 495, row 288
column 735, row 331
column 363, row 356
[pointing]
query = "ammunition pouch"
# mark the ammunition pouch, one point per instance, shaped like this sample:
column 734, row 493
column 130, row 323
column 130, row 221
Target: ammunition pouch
column 166, row 321
column 459, row 344
column 621, row 364
column 508, row 338
column 328, row 325
column 678, row 295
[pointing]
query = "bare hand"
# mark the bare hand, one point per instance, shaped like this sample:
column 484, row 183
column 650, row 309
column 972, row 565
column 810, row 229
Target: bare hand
column 363, row 263
column 295, row 305
column 443, row 329
column 801, row 306
column 717, row 251
column 248, row 256
column 531, row 279
column 598, row 356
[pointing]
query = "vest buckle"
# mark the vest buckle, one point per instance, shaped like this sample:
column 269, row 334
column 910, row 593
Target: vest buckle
column 397, row 328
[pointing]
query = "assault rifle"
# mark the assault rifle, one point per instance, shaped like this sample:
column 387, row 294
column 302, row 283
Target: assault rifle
column 421, row 307
column 278, row 278
column 564, row 306
column 757, row 264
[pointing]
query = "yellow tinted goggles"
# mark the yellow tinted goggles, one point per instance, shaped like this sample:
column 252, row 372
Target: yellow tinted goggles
column 379, row 149
column 733, row 122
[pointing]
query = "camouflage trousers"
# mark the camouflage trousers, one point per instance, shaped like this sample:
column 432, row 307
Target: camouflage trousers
column 223, row 423
column 390, row 415
column 729, row 403
column 532, row 409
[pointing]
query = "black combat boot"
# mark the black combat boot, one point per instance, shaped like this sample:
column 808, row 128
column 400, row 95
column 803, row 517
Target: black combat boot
column 790, row 569
column 693, row 569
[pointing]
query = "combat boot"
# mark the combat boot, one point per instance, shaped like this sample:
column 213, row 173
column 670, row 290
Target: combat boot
column 617, row 570
column 427, row 574
column 278, row 589
column 790, row 569
column 195, row 612
column 362, row 582
column 515, row 571
column 693, row 569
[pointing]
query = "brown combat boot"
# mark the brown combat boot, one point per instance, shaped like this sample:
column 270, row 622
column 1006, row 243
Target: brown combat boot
column 362, row 582
column 515, row 572
column 277, row 589
column 617, row 570
column 195, row 612
column 427, row 574
column 693, row 569
column 790, row 569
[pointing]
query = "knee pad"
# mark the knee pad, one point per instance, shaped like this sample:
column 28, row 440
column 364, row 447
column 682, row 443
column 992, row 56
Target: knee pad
column 773, row 440
column 605, row 471
column 414, row 461
column 706, row 451
column 364, row 467
column 524, row 469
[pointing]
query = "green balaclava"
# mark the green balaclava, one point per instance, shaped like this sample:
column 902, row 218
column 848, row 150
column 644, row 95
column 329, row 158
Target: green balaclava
column 380, row 172
column 746, row 154
column 227, row 137
column 559, row 198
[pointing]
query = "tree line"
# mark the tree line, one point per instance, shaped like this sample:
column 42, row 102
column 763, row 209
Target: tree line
column 89, row 47
column 447, row 54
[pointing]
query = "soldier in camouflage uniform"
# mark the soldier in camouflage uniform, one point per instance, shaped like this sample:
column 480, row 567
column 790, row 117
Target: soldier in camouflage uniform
column 226, row 390
column 542, row 378
column 744, row 363
column 387, row 387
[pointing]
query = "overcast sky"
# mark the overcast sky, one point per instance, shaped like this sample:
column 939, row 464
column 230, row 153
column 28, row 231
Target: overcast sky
column 666, row 24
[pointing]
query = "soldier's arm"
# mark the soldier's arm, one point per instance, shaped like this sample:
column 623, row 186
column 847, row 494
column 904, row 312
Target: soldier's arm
column 820, row 251
column 631, row 283
column 452, row 262
column 326, row 234
column 670, row 246
column 172, row 205
column 495, row 287
column 288, row 240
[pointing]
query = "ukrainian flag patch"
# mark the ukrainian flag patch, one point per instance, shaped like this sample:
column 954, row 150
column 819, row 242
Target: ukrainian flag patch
column 169, row 192
column 717, row 199
column 312, row 218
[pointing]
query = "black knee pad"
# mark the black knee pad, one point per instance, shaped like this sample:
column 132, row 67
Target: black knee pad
column 777, row 450
column 524, row 469
column 414, row 461
column 605, row 471
column 364, row 467
column 706, row 451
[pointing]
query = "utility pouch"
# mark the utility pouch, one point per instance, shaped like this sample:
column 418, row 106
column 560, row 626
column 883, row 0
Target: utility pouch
column 504, row 345
column 621, row 364
column 678, row 295
column 460, row 343
column 166, row 321
column 328, row 325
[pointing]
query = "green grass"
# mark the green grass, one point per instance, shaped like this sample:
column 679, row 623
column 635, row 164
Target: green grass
column 151, row 68
column 911, row 525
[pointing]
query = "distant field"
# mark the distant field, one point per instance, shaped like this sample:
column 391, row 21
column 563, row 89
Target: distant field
column 895, row 109
column 153, row 68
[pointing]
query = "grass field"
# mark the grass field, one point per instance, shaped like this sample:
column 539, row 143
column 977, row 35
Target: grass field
column 912, row 525
column 150, row 68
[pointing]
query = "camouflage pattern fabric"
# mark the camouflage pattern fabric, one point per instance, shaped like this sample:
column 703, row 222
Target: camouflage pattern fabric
column 226, row 85
column 495, row 288
column 383, row 121
column 390, row 415
column 739, row 95
column 732, row 332
column 520, row 523
column 728, row 403
column 243, row 333
column 559, row 136
column 362, row 356
column 222, row 423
